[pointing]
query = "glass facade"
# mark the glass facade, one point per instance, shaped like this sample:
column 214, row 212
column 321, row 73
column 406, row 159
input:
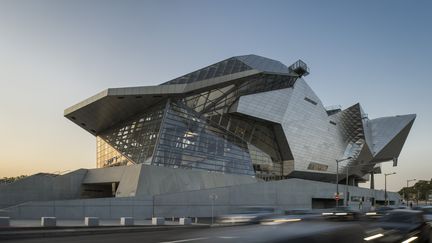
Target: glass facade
column 216, row 104
column 229, row 66
column 107, row 156
column 134, row 139
column 197, row 131
column 188, row 141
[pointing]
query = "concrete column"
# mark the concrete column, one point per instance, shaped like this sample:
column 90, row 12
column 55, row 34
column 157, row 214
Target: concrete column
column 185, row 221
column 48, row 221
column 158, row 221
column 372, row 180
column 126, row 221
column 91, row 221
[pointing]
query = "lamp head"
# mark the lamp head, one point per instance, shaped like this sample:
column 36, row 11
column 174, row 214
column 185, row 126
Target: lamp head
column 340, row 160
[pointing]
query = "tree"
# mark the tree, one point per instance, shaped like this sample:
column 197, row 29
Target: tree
column 419, row 191
column 8, row 180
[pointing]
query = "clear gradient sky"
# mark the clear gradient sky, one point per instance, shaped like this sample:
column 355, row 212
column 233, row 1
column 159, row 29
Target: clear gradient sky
column 56, row 53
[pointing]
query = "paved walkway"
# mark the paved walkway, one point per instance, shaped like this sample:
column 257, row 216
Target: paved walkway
column 77, row 223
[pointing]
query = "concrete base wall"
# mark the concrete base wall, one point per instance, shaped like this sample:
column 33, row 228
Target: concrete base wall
column 42, row 187
column 287, row 194
column 142, row 180
column 103, row 208
column 155, row 180
column 134, row 180
column 126, row 176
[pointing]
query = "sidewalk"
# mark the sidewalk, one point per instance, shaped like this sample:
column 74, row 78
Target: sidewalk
column 19, row 229
column 80, row 223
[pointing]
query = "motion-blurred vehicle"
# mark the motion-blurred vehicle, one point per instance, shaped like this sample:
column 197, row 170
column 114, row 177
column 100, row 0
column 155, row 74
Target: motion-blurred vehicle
column 427, row 210
column 303, row 231
column 379, row 212
column 342, row 213
column 290, row 217
column 247, row 215
column 400, row 225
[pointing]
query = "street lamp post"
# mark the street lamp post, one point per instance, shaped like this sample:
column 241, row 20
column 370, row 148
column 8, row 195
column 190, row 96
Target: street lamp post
column 346, row 180
column 213, row 197
column 337, row 179
column 406, row 189
column 347, row 175
column 346, row 187
column 385, row 187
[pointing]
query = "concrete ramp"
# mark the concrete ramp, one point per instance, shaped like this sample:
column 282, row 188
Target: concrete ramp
column 103, row 208
column 42, row 187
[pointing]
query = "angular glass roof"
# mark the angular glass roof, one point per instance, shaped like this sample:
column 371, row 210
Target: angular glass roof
column 263, row 64
column 230, row 66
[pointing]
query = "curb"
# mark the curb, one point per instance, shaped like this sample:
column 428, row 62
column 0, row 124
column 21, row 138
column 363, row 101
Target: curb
column 75, row 231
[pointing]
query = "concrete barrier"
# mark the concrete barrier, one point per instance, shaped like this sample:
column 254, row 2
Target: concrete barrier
column 48, row 221
column 158, row 221
column 4, row 221
column 185, row 221
column 126, row 221
column 91, row 221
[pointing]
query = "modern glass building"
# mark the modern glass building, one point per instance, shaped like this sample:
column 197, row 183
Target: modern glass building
column 246, row 115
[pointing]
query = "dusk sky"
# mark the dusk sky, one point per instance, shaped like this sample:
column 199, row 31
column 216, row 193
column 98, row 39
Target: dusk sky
column 56, row 53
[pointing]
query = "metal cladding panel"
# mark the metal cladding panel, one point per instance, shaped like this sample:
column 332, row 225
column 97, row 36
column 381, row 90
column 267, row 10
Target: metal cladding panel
column 361, row 164
column 393, row 148
column 387, row 128
column 270, row 106
column 311, row 136
column 352, row 131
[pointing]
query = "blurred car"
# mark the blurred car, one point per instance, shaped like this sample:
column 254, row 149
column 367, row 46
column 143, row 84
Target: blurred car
column 400, row 225
column 427, row 210
column 303, row 231
column 4, row 213
column 247, row 215
column 342, row 213
column 290, row 217
column 379, row 212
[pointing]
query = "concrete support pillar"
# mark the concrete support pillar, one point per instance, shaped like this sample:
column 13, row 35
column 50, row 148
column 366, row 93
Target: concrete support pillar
column 91, row 221
column 158, row 221
column 113, row 188
column 372, row 181
column 185, row 221
column 126, row 221
column 48, row 221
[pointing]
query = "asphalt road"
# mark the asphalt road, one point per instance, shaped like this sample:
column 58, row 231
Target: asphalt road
column 155, row 236
column 340, row 232
column 250, row 233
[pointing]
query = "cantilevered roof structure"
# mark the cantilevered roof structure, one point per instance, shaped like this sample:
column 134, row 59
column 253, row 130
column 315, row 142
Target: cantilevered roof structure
column 115, row 104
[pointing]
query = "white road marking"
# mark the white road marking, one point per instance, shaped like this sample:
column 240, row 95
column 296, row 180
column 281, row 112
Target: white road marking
column 228, row 237
column 185, row 240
